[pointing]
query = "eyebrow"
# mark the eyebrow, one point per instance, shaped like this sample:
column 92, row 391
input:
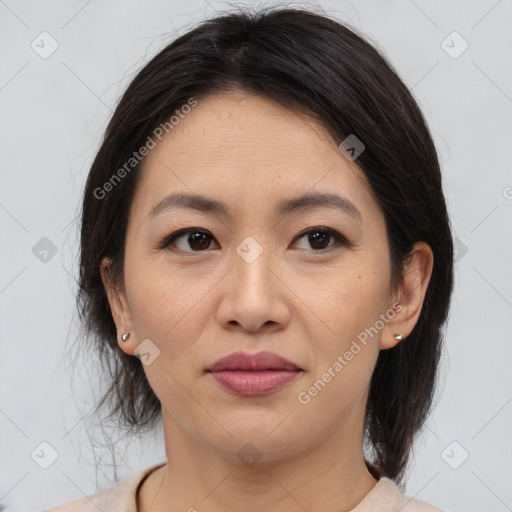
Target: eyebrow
column 304, row 202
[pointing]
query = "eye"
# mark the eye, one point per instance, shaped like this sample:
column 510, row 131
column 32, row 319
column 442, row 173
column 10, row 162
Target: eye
column 319, row 238
column 199, row 240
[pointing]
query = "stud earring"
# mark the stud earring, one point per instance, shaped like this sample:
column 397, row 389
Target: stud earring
column 124, row 336
column 397, row 336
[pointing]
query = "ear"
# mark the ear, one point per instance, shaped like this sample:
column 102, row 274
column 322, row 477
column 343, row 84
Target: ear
column 411, row 295
column 119, row 308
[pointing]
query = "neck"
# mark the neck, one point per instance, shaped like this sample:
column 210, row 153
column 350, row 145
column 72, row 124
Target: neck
column 330, row 477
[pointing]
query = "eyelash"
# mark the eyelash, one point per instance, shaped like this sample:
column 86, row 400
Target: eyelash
column 170, row 239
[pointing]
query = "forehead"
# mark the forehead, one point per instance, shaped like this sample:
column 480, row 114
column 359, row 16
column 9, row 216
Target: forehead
column 247, row 150
column 246, row 126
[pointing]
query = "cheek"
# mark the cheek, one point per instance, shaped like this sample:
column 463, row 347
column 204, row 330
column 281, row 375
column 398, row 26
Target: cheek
column 165, row 310
column 348, row 304
column 169, row 309
column 335, row 394
column 345, row 346
column 159, row 297
column 348, row 299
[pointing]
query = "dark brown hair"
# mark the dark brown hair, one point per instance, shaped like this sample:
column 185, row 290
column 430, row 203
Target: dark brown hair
column 310, row 63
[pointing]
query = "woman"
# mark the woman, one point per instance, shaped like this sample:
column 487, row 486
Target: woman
column 267, row 266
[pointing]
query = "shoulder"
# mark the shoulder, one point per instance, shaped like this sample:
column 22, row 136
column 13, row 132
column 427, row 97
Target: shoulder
column 121, row 497
column 386, row 497
column 407, row 504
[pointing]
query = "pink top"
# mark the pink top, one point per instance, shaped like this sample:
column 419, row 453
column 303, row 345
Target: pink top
column 121, row 497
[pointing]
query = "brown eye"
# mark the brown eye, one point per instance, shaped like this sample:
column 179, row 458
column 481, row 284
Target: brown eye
column 196, row 241
column 319, row 238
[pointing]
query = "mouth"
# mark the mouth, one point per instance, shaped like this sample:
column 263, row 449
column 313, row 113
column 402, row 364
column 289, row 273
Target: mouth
column 253, row 374
column 261, row 361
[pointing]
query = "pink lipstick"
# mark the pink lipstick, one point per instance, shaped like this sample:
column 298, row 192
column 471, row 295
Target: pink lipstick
column 253, row 374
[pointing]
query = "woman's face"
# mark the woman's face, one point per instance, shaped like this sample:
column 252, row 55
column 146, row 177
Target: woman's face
column 257, row 277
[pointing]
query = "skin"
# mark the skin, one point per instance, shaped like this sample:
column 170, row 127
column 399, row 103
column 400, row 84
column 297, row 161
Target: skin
column 303, row 302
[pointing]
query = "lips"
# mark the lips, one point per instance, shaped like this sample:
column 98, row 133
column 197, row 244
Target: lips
column 252, row 362
column 253, row 375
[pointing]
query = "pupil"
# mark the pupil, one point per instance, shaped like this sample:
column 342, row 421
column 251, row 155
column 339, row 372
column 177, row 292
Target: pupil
column 200, row 239
column 318, row 237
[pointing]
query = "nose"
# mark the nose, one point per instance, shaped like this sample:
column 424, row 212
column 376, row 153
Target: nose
column 253, row 296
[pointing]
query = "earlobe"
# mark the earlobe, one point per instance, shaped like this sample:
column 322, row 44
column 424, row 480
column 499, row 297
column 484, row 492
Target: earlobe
column 397, row 338
column 391, row 339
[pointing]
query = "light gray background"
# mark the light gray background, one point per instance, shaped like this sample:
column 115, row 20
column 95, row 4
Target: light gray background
column 53, row 114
